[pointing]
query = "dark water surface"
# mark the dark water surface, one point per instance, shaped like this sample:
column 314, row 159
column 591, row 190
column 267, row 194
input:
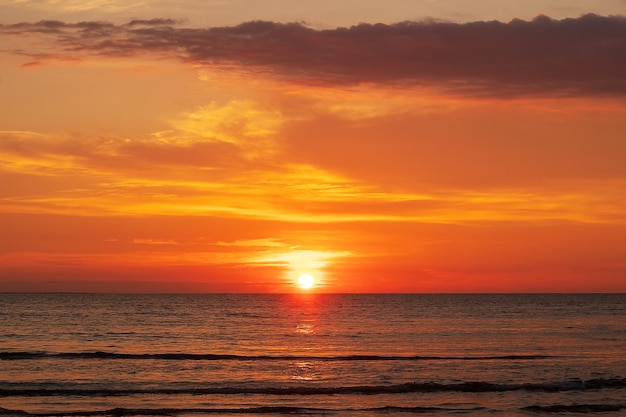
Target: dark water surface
column 336, row 355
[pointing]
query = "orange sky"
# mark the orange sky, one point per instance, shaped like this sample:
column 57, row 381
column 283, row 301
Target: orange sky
column 147, row 153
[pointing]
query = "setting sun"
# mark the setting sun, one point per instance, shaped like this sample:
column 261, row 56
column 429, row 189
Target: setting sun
column 306, row 281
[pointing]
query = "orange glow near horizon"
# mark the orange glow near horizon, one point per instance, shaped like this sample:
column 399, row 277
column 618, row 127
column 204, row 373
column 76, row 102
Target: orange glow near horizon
column 171, row 167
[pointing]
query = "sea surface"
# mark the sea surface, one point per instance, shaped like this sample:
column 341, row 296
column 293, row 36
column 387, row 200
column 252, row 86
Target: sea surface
column 310, row 354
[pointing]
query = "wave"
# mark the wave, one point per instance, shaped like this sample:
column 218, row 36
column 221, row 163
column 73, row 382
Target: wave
column 418, row 387
column 576, row 408
column 225, row 357
column 251, row 410
column 558, row 408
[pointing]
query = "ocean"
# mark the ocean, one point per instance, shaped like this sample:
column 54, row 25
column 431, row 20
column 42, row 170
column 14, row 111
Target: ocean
column 312, row 354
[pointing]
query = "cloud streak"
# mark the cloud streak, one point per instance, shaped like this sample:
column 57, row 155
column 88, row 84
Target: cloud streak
column 585, row 56
column 122, row 178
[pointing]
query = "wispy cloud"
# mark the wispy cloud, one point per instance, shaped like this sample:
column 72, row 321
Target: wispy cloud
column 582, row 56
column 121, row 178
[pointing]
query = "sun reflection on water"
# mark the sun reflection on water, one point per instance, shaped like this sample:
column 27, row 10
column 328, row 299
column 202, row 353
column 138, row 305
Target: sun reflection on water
column 304, row 371
column 305, row 328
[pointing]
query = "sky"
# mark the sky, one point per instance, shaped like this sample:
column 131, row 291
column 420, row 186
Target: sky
column 235, row 145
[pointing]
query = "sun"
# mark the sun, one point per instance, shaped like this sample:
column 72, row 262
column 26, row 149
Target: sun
column 306, row 281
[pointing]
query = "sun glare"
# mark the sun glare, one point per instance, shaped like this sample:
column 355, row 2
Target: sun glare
column 306, row 281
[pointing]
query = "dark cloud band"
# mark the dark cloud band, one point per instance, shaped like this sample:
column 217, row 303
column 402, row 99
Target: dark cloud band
column 583, row 56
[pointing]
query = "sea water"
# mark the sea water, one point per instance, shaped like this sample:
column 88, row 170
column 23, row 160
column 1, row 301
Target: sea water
column 336, row 355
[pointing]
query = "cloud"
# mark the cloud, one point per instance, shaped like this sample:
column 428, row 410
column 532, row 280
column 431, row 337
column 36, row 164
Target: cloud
column 254, row 243
column 49, row 174
column 147, row 241
column 575, row 56
column 210, row 138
